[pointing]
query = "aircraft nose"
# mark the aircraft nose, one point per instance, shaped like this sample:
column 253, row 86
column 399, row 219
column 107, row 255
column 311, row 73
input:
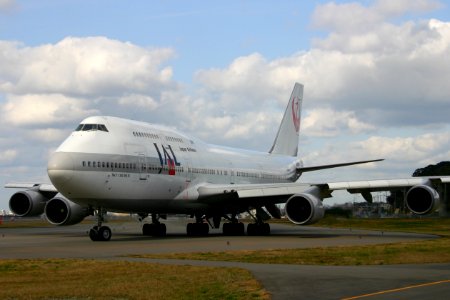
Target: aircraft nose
column 60, row 168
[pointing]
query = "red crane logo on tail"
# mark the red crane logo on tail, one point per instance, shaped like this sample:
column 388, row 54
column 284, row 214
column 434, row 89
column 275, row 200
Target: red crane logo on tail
column 296, row 114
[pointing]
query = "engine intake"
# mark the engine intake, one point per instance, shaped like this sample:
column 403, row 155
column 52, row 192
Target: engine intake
column 61, row 211
column 422, row 199
column 305, row 208
column 28, row 203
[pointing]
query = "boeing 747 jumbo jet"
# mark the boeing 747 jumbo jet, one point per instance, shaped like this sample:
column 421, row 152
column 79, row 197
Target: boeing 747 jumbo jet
column 119, row 165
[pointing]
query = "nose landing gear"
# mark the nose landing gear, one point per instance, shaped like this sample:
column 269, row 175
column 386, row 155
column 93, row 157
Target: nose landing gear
column 99, row 232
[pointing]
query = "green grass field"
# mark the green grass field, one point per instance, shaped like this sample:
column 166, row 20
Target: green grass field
column 428, row 251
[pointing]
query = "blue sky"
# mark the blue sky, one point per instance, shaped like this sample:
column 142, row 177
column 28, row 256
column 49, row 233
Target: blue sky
column 375, row 75
column 203, row 33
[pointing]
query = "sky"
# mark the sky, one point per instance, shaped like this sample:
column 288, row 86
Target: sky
column 376, row 77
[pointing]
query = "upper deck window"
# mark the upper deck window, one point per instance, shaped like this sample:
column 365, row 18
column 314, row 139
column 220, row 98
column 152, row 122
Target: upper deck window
column 91, row 127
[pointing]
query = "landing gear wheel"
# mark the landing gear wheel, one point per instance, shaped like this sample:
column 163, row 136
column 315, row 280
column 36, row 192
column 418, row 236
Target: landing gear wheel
column 154, row 229
column 93, row 234
column 146, row 230
column 258, row 229
column 159, row 229
column 197, row 229
column 104, row 233
column 233, row 228
column 99, row 232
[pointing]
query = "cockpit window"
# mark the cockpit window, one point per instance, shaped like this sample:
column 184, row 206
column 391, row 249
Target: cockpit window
column 91, row 127
column 102, row 127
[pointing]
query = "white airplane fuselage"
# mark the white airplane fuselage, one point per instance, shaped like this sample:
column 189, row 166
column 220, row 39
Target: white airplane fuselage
column 139, row 167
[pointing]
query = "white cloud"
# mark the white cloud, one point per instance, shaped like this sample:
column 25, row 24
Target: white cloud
column 141, row 101
column 391, row 8
column 324, row 122
column 42, row 109
column 387, row 76
column 48, row 135
column 8, row 155
column 411, row 149
column 83, row 66
column 403, row 155
column 357, row 18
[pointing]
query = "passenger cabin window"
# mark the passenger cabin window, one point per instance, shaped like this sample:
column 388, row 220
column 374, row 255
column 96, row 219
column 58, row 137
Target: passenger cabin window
column 91, row 127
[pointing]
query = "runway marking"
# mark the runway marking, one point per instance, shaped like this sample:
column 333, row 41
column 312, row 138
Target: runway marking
column 398, row 290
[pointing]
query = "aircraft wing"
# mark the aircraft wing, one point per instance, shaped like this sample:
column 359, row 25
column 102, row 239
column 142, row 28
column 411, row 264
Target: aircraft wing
column 243, row 191
column 421, row 193
column 42, row 187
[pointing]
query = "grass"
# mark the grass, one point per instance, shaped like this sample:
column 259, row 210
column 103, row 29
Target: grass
column 437, row 226
column 89, row 279
column 428, row 251
column 33, row 222
column 434, row 251
column 8, row 222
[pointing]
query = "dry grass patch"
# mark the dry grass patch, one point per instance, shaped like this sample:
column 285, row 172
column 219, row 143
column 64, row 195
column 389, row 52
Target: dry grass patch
column 88, row 279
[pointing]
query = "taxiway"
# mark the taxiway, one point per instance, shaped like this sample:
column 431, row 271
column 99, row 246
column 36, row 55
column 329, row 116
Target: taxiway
column 282, row 281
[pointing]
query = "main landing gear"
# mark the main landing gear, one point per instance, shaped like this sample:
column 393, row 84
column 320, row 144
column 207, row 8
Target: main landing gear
column 155, row 228
column 199, row 228
column 99, row 232
column 234, row 227
column 259, row 227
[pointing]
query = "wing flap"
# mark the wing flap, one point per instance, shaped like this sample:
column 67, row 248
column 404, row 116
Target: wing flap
column 216, row 193
column 375, row 184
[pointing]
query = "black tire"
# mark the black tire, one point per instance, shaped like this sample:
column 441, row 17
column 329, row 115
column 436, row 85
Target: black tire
column 93, row 234
column 265, row 229
column 190, row 229
column 204, row 229
column 226, row 229
column 104, row 233
column 251, row 229
column 160, row 229
column 146, row 229
column 240, row 228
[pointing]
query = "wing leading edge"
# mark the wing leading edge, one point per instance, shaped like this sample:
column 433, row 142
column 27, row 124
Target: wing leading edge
column 323, row 167
column 421, row 194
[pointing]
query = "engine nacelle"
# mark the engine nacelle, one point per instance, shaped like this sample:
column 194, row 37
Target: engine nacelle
column 305, row 208
column 27, row 203
column 422, row 199
column 61, row 211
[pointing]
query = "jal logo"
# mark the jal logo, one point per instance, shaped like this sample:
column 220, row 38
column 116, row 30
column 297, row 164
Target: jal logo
column 167, row 158
column 296, row 113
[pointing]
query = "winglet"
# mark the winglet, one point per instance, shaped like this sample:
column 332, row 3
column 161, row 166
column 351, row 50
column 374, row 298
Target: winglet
column 286, row 141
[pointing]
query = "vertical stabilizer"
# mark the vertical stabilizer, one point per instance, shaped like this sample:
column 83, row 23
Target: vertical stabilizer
column 286, row 141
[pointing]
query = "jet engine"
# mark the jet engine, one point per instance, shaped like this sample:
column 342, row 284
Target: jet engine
column 27, row 203
column 61, row 211
column 305, row 208
column 422, row 199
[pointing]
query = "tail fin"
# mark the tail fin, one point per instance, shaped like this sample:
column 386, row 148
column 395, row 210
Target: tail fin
column 286, row 141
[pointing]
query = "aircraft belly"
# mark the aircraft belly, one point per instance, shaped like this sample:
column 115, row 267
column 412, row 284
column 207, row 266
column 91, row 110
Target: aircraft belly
column 128, row 192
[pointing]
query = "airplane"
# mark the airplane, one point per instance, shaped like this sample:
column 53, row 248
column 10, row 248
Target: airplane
column 110, row 164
